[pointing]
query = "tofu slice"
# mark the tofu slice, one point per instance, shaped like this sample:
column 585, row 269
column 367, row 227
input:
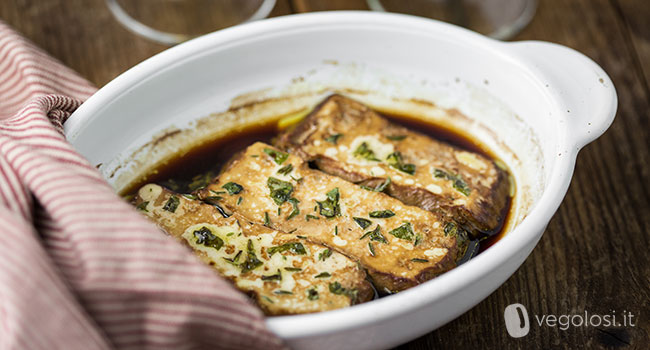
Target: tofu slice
column 399, row 245
column 346, row 138
column 283, row 274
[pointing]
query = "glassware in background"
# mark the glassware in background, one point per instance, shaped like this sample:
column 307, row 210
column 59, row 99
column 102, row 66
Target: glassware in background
column 174, row 21
column 499, row 19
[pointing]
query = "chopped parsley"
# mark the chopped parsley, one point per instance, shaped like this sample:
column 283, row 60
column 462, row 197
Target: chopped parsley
column 294, row 202
column 451, row 229
column 457, row 181
column 172, row 204
column 143, row 206
column 233, row 188
column 200, row 181
column 371, row 249
column 325, row 254
column 293, row 247
column 234, row 259
column 337, row 289
column 395, row 160
column 333, row 138
column 293, row 269
column 280, row 191
column 267, row 220
column 330, row 207
column 364, row 152
column 285, row 170
column 309, row 216
column 276, row 277
column 323, row 275
column 419, row 260
column 280, row 291
column 251, row 262
column 379, row 188
column 239, row 200
column 375, row 235
column 396, row 137
column 267, row 299
column 363, row 223
column 381, row 214
column 205, row 237
column 404, row 232
column 278, row 156
column 312, row 294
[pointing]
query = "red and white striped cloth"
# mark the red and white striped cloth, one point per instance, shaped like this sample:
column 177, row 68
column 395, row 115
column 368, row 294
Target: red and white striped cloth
column 79, row 268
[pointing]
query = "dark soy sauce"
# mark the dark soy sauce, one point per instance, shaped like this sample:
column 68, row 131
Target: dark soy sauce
column 204, row 162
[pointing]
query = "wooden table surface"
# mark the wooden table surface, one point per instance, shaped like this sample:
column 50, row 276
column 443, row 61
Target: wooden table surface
column 594, row 253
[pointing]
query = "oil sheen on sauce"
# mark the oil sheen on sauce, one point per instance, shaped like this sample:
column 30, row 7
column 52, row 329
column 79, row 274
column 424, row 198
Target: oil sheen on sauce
column 194, row 168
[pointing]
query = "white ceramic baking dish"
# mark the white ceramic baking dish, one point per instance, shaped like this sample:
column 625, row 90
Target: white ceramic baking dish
column 534, row 104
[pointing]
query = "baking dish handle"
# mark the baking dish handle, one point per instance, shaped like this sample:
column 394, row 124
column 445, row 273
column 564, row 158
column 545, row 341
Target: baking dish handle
column 588, row 94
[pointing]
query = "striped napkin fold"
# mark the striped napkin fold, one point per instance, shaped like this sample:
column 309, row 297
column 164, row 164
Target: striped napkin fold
column 79, row 268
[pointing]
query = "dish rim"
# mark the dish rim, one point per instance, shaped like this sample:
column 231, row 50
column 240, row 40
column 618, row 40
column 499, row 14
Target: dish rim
column 528, row 230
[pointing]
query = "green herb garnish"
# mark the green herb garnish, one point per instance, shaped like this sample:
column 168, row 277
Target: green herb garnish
column 278, row 156
column 375, row 235
column 364, row 152
column 267, row 220
column 205, row 237
column 337, row 289
column 285, row 170
column 280, row 191
column 212, row 199
column 200, row 181
column 330, row 207
column 325, row 254
column 293, row 247
column 323, row 275
column 309, row 216
column 458, row 183
column 172, row 204
column 363, row 223
column 190, row 196
column 251, row 262
column 419, row 260
column 234, row 259
column 403, row 232
column 293, row 269
column 143, row 206
column 379, row 188
column 418, row 239
column 451, row 229
column 267, row 299
column 239, row 200
column 381, row 214
column 396, row 137
column 333, row 138
column 233, row 188
column 276, row 277
column 395, row 160
column 371, row 249
column 280, row 291
column 312, row 294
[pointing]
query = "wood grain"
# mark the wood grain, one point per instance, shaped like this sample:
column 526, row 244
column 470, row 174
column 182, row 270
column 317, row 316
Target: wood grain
column 594, row 253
